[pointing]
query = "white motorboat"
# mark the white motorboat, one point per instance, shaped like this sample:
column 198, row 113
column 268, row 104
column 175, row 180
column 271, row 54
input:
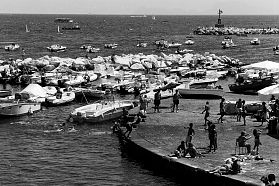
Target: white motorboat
column 143, row 45
column 255, row 41
column 66, row 97
column 111, row 46
column 12, row 47
column 189, row 42
column 204, row 88
column 88, row 93
column 183, row 51
column 56, row 48
column 92, row 50
column 5, row 93
column 18, row 108
column 174, row 45
column 103, row 111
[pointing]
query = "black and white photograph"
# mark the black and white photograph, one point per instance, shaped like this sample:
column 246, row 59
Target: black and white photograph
column 139, row 92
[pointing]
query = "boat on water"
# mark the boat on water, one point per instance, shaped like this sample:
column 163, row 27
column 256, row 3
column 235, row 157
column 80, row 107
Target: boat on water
column 111, row 45
column 92, row 50
column 18, row 108
column 63, row 20
column 174, row 45
column 255, row 41
column 189, row 42
column 89, row 93
column 252, row 85
column 5, row 93
column 57, row 100
column 26, row 29
column 74, row 27
column 103, row 111
column 183, row 51
column 143, row 45
column 56, row 48
column 12, row 47
column 227, row 43
column 201, row 88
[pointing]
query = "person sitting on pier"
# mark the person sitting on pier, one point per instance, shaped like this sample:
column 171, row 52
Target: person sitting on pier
column 192, row 151
column 181, row 150
column 269, row 180
column 137, row 120
column 242, row 141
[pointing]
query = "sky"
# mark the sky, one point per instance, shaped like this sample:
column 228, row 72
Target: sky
column 141, row 7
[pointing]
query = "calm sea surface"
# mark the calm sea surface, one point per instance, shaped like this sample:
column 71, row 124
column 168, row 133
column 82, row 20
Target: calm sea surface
column 32, row 152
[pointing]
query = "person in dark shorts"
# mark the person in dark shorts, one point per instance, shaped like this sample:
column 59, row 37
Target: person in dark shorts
column 176, row 97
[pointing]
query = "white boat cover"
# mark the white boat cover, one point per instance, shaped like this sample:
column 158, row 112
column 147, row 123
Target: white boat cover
column 266, row 93
column 34, row 90
column 264, row 65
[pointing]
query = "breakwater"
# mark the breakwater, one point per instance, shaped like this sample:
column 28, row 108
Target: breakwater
column 234, row 31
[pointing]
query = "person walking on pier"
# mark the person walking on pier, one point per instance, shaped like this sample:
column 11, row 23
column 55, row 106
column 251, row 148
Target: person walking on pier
column 222, row 110
column 206, row 111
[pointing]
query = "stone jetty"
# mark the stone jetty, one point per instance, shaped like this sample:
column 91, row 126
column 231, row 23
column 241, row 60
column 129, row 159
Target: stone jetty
column 234, row 31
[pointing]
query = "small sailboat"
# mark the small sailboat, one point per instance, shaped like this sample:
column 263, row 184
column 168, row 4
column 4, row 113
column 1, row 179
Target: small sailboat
column 26, row 29
column 58, row 30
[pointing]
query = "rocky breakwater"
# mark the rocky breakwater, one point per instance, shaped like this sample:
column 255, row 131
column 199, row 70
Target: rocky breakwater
column 234, row 31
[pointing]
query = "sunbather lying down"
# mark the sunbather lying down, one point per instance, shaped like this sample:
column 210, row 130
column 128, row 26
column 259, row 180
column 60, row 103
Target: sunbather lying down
column 231, row 166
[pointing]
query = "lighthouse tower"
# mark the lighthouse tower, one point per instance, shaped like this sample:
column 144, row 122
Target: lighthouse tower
column 219, row 22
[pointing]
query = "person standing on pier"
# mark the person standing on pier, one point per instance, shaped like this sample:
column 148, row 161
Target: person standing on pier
column 157, row 100
column 190, row 134
column 238, row 106
column 212, row 137
column 263, row 113
column 257, row 134
column 243, row 112
column 176, row 97
column 206, row 111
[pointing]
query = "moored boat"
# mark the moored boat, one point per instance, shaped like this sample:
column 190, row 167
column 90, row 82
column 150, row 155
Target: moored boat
column 56, row 48
column 18, row 108
column 201, row 89
column 12, row 47
column 189, row 42
column 252, row 85
column 103, row 111
column 255, row 41
column 66, row 97
column 5, row 93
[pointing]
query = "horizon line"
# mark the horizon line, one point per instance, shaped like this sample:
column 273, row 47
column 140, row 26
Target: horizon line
column 138, row 14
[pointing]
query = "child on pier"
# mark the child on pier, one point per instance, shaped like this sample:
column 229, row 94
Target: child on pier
column 190, row 134
column 257, row 134
column 206, row 111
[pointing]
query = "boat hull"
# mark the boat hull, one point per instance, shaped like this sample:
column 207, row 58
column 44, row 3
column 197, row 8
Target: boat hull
column 201, row 93
column 110, row 114
column 251, row 87
column 5, row 93
column 18, row 109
